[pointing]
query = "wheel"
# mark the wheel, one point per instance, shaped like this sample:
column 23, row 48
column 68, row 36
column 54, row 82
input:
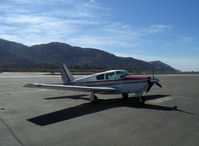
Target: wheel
column 125, row 95
column 141, row 100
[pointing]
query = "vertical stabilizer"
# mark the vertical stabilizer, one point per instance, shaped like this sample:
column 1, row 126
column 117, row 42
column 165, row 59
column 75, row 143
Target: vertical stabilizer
column 66, row 75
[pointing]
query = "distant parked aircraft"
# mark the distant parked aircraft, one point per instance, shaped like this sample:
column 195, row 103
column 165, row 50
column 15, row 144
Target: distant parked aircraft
column 109, row 82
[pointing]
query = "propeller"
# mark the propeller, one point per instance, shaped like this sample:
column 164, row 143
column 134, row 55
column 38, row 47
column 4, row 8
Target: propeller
column 151, row 81
column 150, row 85
column 158, row 84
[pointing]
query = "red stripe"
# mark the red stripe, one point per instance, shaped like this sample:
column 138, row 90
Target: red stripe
column 126, row 78
column 136, row 77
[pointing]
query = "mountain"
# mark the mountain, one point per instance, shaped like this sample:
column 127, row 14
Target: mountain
column 48, row 56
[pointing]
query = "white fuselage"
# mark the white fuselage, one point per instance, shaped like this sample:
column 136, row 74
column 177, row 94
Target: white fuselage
column 124, row 84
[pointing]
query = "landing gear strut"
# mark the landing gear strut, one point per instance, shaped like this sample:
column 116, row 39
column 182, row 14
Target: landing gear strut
column 93, row 97
column 141, row 99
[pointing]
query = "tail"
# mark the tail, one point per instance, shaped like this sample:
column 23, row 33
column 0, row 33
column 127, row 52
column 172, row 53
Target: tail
column 66, row 75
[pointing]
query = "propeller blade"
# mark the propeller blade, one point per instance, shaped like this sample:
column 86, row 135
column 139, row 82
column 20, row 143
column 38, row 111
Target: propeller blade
column 150, row 85
column 158, row 84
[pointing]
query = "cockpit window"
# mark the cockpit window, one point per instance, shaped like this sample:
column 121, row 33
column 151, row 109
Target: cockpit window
column 100, row 77
column 121, row 74
column 110, row 76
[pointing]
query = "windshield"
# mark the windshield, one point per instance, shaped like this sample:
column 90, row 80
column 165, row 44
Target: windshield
column 122, row 74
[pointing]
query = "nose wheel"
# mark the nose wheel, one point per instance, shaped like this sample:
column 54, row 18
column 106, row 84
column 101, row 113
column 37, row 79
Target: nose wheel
column 141, row 99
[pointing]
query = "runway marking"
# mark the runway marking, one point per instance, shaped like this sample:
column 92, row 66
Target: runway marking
column 160, row 100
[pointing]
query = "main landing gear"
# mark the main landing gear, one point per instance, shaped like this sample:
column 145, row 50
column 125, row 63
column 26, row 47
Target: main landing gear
column 93, row 97
column 141, row 99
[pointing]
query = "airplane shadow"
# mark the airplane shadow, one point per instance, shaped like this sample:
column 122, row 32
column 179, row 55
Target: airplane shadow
column 101, row 105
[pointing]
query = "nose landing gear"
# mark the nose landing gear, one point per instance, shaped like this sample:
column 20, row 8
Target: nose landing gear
column 141, row 99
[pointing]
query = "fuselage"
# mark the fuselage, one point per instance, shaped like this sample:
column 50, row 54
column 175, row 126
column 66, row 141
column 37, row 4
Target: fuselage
column 120, row 79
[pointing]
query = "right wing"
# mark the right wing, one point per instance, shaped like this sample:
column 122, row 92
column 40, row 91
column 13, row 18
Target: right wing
column 74, row 87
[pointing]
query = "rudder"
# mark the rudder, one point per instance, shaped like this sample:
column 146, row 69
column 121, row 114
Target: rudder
column 66, row 75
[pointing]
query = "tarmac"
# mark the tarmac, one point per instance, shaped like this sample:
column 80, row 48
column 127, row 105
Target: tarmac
column 38, row 117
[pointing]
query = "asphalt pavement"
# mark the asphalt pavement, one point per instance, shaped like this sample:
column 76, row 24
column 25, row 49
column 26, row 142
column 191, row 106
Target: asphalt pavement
column 37, row 117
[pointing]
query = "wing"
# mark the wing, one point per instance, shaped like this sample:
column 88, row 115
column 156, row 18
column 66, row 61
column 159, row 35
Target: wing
column 96, row 89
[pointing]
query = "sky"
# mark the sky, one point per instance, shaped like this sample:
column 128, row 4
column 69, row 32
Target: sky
column 165, row 30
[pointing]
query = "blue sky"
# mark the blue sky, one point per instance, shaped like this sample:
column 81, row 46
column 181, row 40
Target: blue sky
column 165, row 30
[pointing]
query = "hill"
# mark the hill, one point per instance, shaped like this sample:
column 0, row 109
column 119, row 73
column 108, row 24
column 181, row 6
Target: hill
column 15, row 56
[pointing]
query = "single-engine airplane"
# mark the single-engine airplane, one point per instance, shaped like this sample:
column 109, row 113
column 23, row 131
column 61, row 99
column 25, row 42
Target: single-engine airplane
column 108, row 82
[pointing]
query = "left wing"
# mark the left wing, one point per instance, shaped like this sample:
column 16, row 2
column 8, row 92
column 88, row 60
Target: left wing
column 74, row 87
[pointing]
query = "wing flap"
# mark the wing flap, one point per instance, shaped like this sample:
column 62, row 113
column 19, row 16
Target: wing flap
column 73, row 87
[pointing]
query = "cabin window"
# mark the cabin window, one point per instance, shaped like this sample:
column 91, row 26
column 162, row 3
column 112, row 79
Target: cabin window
column 100, row 77
column 110, row 76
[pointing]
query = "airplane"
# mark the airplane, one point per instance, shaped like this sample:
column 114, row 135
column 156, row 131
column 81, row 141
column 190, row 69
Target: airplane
column 108, row 82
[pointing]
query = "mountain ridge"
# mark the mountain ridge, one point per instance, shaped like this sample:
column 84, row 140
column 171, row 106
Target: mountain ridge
column 50, row 55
